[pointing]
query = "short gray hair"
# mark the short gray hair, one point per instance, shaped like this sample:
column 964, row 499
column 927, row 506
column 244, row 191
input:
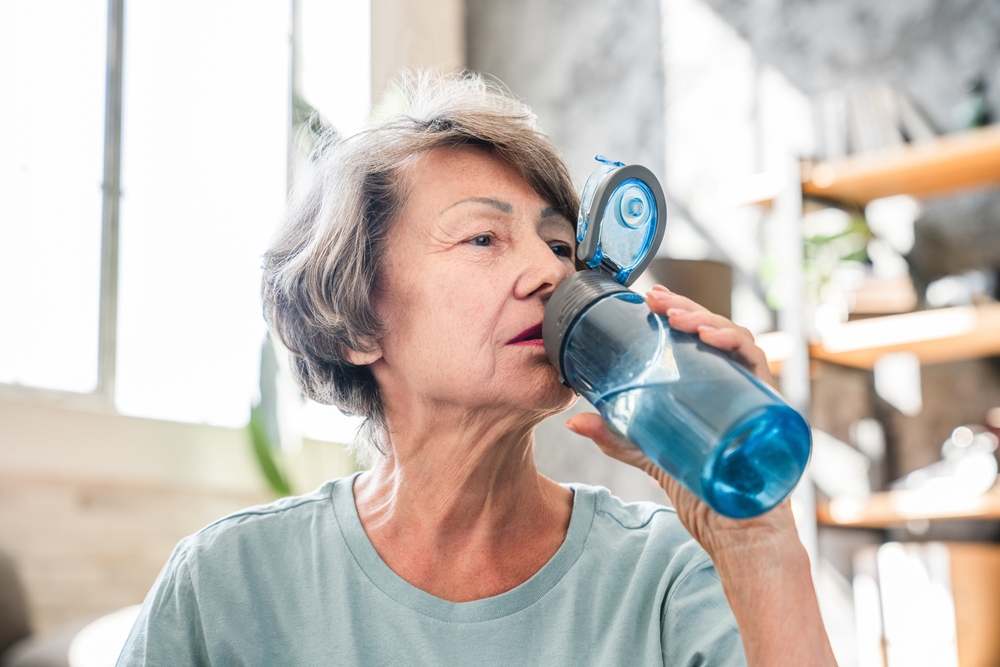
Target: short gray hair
column 324, row 261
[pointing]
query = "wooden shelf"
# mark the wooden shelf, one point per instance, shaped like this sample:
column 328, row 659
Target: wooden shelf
column 895, row 508
column 951, row 162
column 935, row 336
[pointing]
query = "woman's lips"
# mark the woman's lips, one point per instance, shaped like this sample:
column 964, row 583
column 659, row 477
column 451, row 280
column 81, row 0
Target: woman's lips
column 530, row 336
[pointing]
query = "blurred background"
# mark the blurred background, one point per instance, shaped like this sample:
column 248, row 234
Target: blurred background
column 833, row 185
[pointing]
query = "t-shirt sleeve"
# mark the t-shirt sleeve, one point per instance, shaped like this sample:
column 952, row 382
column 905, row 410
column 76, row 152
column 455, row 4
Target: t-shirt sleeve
column 168, row 631
column 698, row 626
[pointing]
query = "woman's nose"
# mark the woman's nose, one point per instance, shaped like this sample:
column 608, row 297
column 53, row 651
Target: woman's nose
column 542, row 272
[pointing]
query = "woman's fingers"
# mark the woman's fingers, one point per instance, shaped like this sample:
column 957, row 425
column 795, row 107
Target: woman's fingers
column 685, row 315
column 660, row 299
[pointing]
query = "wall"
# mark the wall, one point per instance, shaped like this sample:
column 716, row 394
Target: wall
column 729, row 119
column 92, row 504
column 416, row 34
column 924, row 47
column 591, row 70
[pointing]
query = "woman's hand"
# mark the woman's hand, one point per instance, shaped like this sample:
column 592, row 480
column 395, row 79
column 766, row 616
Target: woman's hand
column 716, row 330
column 762, row 564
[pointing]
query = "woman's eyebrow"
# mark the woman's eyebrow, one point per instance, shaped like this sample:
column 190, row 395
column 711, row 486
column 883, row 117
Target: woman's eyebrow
column 551, row 212
column 501, row 206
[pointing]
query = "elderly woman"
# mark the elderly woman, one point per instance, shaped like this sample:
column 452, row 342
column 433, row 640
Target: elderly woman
column 408, row 287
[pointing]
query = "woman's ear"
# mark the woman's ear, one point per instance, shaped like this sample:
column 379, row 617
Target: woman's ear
column 359, row 358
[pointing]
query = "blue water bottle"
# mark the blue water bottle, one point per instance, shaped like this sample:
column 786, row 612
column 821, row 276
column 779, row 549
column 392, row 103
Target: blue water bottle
column 706, row 420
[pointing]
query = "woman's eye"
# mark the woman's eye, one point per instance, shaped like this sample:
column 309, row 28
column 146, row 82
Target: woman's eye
column 562, row 250
column 484, row 240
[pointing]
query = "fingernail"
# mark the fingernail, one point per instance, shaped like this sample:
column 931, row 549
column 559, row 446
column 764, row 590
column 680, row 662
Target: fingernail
column 572, row 427
column 704, row 327
column 661, row 288
column 676, row 311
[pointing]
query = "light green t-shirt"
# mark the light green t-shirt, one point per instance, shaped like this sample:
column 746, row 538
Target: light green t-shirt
column 297, row 582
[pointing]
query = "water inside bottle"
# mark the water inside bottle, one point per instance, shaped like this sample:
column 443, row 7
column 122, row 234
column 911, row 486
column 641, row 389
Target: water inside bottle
column 749, row 469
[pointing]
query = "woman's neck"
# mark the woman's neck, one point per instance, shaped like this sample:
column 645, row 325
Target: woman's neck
column 458, row 508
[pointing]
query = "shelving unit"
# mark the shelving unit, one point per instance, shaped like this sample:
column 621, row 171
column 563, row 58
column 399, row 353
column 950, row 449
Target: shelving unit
column 941, row 166
column 951, row 163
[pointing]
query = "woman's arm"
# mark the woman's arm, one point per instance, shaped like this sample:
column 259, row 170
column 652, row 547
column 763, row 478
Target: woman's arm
column 770, row 590
column 763, row 566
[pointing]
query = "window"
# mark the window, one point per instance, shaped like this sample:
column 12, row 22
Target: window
column 202, row 89
column 52, row 70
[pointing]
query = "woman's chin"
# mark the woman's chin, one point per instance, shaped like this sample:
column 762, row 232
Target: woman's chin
column 549, row 395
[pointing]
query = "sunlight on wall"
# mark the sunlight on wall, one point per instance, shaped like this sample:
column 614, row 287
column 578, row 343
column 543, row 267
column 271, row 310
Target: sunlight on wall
column 327, row 423
column 205, row 118
column 335, row 65
column 730, row 120
column 917, row 606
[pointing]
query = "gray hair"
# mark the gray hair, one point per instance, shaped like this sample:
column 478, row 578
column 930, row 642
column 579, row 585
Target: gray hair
column 324, row 261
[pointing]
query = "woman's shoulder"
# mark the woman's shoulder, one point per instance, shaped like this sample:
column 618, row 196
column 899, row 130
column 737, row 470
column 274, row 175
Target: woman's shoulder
column 643, row 516
column 638, row 530
column 635, row 515
column 284, row 522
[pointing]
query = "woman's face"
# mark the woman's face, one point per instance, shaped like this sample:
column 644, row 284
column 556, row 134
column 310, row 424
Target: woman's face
column 467, row 271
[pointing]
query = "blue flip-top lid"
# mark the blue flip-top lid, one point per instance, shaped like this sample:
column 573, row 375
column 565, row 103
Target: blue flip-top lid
column 622, row 217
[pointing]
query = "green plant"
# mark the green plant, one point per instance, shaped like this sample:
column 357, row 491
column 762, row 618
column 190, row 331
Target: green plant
column 263, row 450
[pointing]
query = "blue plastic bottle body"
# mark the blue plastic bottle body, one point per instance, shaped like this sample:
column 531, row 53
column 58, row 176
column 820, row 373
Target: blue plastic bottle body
column 724, row 434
